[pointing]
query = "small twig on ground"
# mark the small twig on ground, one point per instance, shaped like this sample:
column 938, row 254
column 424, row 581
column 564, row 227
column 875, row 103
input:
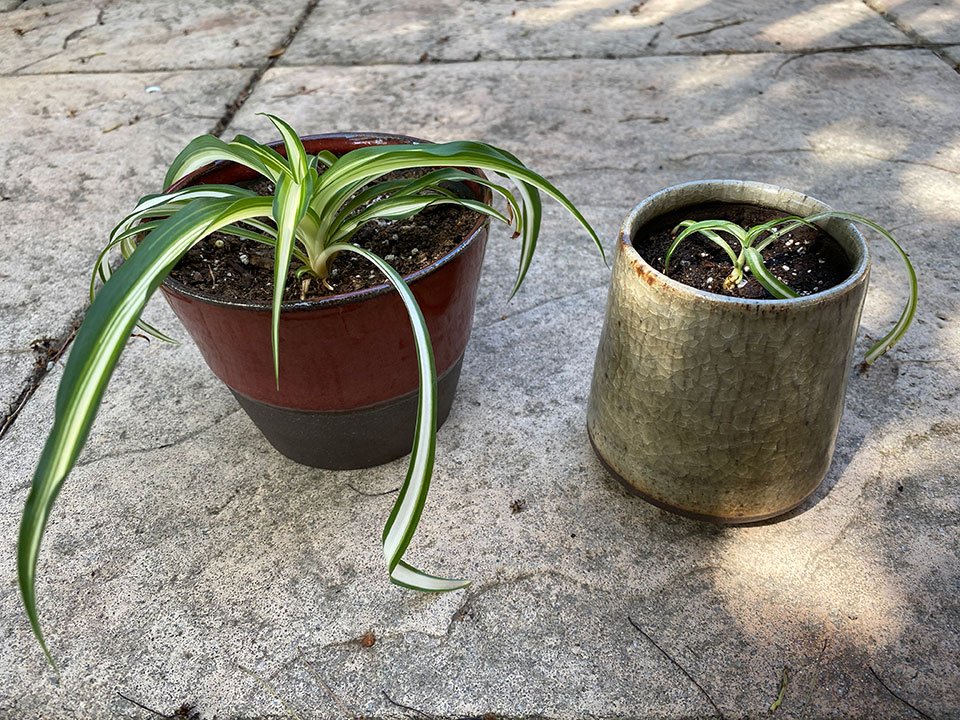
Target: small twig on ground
column 721, row 26
column 271, row 691
column 144, row 707
column 783, row 690
column 405, row 707
column 369, row 494
column 813, row 683
column 326, row 687
column 678, row 666
column 796, row 55
column 886, row 687
column 302, row 91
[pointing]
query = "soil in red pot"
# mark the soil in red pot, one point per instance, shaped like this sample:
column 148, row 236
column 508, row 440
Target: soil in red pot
column 238, row 269
column 806, row 259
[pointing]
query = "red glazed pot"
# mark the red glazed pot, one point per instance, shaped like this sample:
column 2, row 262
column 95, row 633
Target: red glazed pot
column 348, row 370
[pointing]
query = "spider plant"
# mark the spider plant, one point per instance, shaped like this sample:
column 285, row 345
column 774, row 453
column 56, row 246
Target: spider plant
column 754, row 240
column 311, row 217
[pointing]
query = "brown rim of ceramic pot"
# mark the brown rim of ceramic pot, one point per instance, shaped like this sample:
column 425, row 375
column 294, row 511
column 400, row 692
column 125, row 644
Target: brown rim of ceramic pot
column 348, row 377
column 721, row 408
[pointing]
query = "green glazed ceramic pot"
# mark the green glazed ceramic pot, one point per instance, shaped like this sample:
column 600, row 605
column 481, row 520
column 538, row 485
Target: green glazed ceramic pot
column 715, row 407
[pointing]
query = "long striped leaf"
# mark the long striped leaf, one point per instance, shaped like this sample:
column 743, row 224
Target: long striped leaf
column 376, row 191
column 290, row 204
column 451, row 175
column 272, row 160
column 909, row 308
column 406, row 512
column 431, row 181
column 98, row 344
column 367, row 163
column 103, row 272
column 766, row 278
column 757, row 230
column 206, row 149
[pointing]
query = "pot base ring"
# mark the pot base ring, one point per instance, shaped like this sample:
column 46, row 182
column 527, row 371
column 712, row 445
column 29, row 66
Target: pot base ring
column 349, row 439
column 703, row 517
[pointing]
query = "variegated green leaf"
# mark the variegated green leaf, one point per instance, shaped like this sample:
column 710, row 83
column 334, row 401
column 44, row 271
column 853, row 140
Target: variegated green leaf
column 207, row 149
column 296, row 155
column 757, row 230
column 367, row 163
column 766, row 278
column 909, row 308
column 98, row 344
column 406, row 512
column 707, row 228
column 290, row 204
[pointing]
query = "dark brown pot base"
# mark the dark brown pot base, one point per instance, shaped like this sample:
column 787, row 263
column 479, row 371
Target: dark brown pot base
column 350, row 439
column 716, row 519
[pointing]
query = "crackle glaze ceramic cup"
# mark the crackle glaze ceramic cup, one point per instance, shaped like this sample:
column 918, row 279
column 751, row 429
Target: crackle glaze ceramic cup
column 715, row 407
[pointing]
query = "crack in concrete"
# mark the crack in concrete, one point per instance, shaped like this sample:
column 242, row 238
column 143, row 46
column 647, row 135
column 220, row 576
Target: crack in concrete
column 262, row 68
column 149, row 71
column 16, row 71
column 80, row 31
column 72, row 36
column 548, row 301
column 899, row 47
column 472, row 596
column 173, row 443
column 815, row 150
column 935, row 48
column 721, row 26
column 46, row 358
column 272, row 59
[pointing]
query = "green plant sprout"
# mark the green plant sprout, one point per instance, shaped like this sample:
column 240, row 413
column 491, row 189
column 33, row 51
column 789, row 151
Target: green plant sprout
column 754, row 240
column 311, row 217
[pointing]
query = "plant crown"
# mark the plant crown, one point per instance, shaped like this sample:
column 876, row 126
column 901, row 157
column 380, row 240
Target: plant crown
column 754, row 240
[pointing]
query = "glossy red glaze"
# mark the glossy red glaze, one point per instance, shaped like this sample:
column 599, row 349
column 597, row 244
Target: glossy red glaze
column 343, row 352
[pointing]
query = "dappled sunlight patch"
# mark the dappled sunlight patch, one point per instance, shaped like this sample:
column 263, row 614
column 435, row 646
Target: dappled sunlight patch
column 933, row 194
column 728, row 72
column 655, row 14
column 858, row 141
column 772, row 577
column 805, row 29
column 560, row 11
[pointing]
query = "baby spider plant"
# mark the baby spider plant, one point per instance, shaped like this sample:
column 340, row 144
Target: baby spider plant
column 311, row 217
column 754, row 240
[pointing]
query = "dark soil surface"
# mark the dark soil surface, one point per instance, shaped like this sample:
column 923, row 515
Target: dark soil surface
column 237, row 269
column 806, row 259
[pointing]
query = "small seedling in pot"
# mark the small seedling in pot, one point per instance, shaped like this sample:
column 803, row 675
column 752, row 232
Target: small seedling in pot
column 754, row 240
column 311, row 217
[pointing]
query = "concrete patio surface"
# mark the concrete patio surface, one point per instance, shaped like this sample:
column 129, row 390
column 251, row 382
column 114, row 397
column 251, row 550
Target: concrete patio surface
column 184, row 548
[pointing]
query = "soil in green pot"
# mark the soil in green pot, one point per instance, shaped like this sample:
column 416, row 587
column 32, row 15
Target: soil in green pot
column 807, row 259
column 237, row 269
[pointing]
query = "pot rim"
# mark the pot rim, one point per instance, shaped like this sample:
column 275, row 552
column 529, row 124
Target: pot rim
column 653, row 276
column 367, row 139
